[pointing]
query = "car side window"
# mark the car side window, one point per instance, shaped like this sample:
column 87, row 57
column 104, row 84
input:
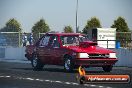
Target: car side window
column 44, row 41
column 54, row 41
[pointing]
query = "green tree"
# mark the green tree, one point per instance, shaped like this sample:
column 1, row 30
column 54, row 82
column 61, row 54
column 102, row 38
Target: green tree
column 12, row 26
column 68, row 29
column 94, row 22
column 40, row 27
column 120, row 24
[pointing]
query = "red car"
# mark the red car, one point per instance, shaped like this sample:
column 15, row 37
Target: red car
column 70, row 50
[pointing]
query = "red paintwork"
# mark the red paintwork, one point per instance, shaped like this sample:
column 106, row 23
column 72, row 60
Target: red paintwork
column 55, row 56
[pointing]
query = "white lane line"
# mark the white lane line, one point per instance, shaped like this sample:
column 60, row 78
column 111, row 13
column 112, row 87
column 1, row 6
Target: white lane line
column 8, row 76
column 90, row 85
column 37, row 79
column 67, row 82
column 93, row 85
column 101, row 86
column 5, row 76
column 52, row 81
column 41, row 80
column 29, row 78
column 2, row 76
column 87, row 85
column 108, row 87
column 58, row 81
column 74, row 83
column 47, row 80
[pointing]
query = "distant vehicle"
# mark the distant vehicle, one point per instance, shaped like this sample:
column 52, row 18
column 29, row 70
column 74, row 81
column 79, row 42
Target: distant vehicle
column 70, row 50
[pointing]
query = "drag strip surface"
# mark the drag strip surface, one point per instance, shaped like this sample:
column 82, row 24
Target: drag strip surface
column 21, row 75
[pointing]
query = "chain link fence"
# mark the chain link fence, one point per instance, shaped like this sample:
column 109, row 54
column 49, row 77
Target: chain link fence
column 10, row 39
column 125, row 39
column 14, row 39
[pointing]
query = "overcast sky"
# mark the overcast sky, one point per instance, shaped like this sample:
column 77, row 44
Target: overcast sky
column 59, row 13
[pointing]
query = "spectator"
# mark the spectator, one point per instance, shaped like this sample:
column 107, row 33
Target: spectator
column 24, row 39
column 31, row 39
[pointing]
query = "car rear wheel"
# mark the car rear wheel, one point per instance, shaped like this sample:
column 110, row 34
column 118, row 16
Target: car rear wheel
column 68, row 64
column 36, row 63
column 107, row 68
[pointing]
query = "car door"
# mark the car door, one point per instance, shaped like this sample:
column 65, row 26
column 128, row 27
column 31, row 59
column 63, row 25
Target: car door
column 55, row 51
column 43, row 49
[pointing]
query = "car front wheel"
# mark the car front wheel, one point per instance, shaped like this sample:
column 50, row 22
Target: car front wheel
column 107, row 68
column 68, row 64
column 36, row 63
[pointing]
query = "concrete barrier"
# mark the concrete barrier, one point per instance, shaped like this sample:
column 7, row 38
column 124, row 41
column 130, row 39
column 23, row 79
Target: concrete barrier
column 13, row 53
column 2, row 52
column 124, row 55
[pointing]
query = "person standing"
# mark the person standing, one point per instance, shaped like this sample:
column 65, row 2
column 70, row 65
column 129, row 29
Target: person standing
column 24, row 39
column 31, row 39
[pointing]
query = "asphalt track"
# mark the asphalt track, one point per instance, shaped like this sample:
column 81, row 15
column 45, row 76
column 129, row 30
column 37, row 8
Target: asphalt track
column 18, row 74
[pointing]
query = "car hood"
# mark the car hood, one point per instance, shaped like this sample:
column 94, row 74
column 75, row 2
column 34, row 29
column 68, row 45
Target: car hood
column 91, row 49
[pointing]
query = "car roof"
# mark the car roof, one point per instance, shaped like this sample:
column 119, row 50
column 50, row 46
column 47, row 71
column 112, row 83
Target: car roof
column 65, row 34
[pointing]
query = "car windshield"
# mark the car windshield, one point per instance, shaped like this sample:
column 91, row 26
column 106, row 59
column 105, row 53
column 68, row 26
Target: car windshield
column 73, row 40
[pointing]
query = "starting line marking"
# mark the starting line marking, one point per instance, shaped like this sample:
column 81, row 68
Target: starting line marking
column 52, row 81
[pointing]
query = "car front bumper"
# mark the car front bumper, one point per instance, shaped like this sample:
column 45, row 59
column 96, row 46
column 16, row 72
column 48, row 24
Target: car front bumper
column 95, row 62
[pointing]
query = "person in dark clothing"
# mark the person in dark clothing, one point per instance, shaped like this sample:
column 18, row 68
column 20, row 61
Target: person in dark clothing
column 31, row 39
column 24, row 39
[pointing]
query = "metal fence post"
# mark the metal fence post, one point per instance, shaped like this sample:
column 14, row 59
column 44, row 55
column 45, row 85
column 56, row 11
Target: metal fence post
column 107, row 43
column 39, row 34
column 131, row 36
column 19, row 39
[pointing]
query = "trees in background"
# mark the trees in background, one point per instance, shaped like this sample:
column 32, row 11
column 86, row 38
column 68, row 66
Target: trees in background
column 12, row 26
column 94, row 22
column 121, row 25
column 12, row 39
column 68, row 29
column 40, row 27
